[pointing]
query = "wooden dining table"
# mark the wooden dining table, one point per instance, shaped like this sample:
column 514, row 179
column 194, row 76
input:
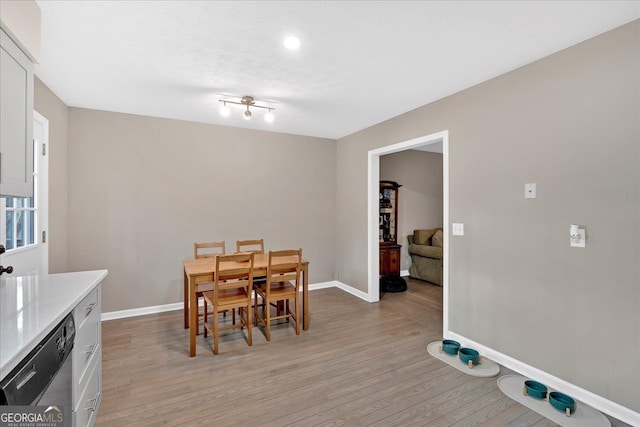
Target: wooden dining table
column 204, row 268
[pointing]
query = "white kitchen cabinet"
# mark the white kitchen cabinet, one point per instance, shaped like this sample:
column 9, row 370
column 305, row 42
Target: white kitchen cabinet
column 87, row 406
column 87, row 359
column 16, row 120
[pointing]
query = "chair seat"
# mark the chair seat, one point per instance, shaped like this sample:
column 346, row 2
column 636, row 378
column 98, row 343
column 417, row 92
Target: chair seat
column 236, row 297
column 279, row 289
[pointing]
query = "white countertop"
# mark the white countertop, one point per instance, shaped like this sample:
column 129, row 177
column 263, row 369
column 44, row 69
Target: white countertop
column 31, row 306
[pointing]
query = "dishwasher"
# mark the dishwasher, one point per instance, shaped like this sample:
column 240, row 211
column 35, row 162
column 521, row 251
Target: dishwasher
column 44, row 376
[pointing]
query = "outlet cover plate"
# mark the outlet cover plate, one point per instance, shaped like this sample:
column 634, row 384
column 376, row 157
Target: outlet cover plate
column 582, row 243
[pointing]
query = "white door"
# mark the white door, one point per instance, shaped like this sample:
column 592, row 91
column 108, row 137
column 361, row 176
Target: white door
column 24, row 220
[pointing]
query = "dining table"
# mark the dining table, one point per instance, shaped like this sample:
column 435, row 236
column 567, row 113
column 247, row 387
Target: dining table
column 202, row 268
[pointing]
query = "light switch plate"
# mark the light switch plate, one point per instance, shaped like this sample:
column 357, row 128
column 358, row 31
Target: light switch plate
column 530, row 191
column 457, row 229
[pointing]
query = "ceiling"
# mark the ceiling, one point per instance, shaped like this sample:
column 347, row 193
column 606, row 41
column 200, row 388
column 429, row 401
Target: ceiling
column 359, row 63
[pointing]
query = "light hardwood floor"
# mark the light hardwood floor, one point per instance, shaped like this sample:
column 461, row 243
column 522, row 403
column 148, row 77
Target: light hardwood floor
column 359, row 364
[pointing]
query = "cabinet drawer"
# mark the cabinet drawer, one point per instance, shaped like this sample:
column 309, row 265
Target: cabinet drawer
column 89, row 305
column 86, row 350
column 87, row 405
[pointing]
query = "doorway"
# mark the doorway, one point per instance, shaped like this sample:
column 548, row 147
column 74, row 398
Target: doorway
column 373, row 179
column 24, row 220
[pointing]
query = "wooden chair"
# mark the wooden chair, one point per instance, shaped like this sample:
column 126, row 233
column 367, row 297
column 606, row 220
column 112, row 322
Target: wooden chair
column 205, row 250
column 232, row 289
column 208, row 250
column 255, row 246
column 282, row 284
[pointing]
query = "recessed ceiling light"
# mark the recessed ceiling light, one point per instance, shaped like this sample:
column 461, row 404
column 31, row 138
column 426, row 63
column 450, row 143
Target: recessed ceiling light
column 292, row 43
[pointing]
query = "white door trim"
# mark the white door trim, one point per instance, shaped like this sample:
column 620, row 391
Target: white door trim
column 43, row 191
column 373, row 182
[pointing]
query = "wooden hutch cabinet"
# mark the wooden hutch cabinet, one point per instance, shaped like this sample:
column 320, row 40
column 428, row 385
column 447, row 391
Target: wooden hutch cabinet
column 388, row 239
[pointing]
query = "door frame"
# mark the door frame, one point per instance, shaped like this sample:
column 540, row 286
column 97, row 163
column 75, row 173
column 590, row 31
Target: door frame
column 43, row 190
column 373, row 183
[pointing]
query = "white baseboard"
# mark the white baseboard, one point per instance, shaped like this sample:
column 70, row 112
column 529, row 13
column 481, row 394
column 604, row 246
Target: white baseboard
column 121, row 314
column 323, row 285
column 343, row 286
column 353, row 291
column 598, row 402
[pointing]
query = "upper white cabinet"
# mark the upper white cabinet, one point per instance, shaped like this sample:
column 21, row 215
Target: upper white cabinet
column 16, row 120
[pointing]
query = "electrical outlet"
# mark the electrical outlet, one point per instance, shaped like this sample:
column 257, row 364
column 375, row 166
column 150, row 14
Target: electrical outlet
column 579, row 242
column 457, row 229
column 530, row 191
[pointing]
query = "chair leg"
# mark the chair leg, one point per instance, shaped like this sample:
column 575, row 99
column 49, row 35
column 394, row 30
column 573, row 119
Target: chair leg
column 267, row 319
column 197, row 308
column 205, row 319
column 249, row 322
column 295, row 301
column 216, row 332
column 255, row 308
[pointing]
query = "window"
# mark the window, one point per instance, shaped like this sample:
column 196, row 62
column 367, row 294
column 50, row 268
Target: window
column 19, row 219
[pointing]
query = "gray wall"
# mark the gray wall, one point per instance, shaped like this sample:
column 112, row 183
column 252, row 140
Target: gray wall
column 420, row 196
column 142, row 190
column 48, row 104
column 570, row 123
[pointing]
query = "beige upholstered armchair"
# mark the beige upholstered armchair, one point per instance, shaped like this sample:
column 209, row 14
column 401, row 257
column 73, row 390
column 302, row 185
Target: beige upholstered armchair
column 425, row 249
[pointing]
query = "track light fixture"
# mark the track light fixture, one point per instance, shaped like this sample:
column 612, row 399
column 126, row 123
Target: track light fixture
column 248, row 101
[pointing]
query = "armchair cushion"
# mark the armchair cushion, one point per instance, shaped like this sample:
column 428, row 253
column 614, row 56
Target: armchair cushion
column 436, row 239
column 423, row 237
column 425, row 251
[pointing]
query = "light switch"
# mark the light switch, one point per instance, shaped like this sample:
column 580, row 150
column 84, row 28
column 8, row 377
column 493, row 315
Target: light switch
column 457, row 229
column 530, row 191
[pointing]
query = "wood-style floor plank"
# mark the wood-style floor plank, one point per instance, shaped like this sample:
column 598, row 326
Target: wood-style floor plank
column 359, row 364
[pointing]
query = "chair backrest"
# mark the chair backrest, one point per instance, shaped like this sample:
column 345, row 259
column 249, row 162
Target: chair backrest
column 284, row 266
column 255, row 246
column 233, row 271
column 208, row 249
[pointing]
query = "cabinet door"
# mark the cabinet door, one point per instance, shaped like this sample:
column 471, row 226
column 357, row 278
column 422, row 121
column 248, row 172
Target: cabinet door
column 394, row 262
column 383, row 263
column 16, row 120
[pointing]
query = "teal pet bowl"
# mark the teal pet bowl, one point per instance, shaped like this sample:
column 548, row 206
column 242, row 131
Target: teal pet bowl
column 562, row 402
column 535, row 389
column 450, row 347
column 469, row 355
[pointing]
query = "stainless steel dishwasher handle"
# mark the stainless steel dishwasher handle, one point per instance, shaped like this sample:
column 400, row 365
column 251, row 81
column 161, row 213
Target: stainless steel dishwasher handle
column 28, row 377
